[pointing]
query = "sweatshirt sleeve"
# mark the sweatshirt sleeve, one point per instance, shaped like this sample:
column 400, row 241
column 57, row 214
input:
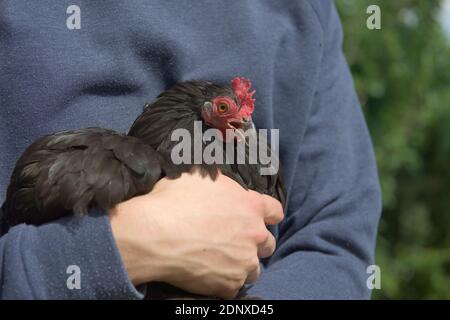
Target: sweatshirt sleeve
column 327, row 239
column 72, row 258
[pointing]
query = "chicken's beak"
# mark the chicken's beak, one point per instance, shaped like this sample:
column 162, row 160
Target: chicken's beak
column 243, row 124
column 247, row 124
column 243, row 128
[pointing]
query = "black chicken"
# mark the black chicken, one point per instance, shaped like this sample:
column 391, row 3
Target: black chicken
column 71, row 171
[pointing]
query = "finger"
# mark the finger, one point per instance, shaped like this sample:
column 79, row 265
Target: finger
column 267, row 248
column 253, row 275
column 273, row 212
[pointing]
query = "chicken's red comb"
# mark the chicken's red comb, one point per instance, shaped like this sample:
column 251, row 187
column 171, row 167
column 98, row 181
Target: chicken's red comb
column 241, row 87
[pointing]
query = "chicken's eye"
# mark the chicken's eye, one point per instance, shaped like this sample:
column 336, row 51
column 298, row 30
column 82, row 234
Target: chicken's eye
column 222, row 107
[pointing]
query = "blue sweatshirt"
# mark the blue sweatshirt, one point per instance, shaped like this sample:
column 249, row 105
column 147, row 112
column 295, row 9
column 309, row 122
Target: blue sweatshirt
column 126, row 52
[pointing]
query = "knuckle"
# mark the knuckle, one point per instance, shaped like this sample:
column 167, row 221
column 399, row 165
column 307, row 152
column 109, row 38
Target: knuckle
column 256, row 204
column 280, row 215
column 270, row 250
column 238, row 283
column 260, row 235
column 252, row 263
column 237, row 278
column 230, row 287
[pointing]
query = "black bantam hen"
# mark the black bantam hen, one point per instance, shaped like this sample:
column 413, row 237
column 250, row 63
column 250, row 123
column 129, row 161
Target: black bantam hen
column 70, row 172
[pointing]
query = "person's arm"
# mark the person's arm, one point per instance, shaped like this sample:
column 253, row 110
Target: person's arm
column 184, row 233
column 37, row 262
column 327, row 239
column 174, row 234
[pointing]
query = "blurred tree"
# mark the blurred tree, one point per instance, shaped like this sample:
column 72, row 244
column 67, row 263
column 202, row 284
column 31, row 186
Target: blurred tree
column 402, row 76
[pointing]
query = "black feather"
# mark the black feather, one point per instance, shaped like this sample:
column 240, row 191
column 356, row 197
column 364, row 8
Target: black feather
column 69, row 172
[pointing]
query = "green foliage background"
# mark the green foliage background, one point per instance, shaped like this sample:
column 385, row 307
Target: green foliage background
column 402, row 75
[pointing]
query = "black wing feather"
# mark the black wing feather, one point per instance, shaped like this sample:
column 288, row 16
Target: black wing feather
column 69, row 172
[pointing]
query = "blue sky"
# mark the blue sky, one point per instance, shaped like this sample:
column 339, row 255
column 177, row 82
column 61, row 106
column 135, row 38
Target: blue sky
column 445, row 16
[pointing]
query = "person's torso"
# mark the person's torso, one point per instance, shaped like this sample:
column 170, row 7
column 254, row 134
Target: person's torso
column 126, row 52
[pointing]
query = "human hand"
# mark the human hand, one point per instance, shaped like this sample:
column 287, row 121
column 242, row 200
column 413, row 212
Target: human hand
column 200, row 235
